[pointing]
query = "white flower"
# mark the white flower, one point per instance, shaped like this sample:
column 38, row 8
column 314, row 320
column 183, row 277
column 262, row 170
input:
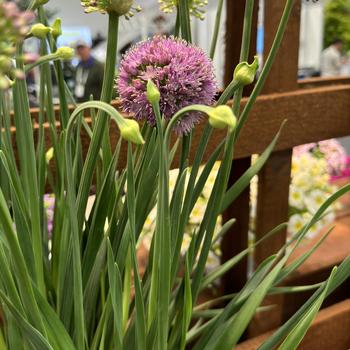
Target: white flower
column 296, row 197
column 315, row 199
column 296, row 223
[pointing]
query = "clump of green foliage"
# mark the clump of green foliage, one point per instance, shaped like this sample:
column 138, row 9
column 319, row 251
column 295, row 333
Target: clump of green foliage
column 337, row 22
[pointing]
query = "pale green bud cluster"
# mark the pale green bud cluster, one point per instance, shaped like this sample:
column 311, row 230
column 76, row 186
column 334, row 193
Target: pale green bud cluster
column 13, row 29
column 120, row 7
column 196, row 7
column 245, row 73
column 64, row 53
column 40, row 31
column 39, row 3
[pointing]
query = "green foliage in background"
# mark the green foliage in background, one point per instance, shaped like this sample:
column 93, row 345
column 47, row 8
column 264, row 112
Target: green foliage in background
column 337, row 22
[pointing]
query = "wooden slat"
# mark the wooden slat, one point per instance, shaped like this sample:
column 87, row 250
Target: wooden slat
column 323, row 81
column 311, row 114
column 327, row 115
column 284, row 72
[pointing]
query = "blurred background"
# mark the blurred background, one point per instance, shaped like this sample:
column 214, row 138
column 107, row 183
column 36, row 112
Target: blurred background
column 324, row 37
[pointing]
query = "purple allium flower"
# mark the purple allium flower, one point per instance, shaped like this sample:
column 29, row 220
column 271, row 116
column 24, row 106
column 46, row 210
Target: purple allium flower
column 182, row 72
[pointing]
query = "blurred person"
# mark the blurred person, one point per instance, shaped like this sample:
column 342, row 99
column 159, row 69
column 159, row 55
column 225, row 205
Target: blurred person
column 88, row 75
column 331, row 59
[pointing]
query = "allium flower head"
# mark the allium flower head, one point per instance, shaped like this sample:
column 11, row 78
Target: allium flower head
column 196, row 7
column 13, row 28
column 120, row 7
column 183, row 74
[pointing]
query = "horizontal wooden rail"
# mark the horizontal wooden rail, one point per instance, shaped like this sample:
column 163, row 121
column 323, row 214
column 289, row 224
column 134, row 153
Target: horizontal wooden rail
column 312, row 115
column 323, row 81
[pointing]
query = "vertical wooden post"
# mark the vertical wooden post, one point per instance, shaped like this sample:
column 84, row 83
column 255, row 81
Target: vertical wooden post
column 236, row 239
column 274, row 178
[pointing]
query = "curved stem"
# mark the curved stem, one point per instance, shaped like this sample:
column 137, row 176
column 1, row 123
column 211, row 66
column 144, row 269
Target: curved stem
column 179, row 114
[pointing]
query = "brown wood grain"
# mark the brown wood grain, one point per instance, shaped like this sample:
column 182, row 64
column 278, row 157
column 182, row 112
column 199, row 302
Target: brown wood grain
column 323, row 81
column 312, row 115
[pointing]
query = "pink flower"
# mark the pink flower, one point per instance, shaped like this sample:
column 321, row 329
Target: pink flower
column 182, row 72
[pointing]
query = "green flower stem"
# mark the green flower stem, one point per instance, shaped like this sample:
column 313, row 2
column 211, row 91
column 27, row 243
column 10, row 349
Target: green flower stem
column 267, row 67
column 214, row 39
column 185, row 21
column 42, row 60
column 177, row 23
column 228, row 92
column 100, row 129
column 177, row 116
column 62, row 85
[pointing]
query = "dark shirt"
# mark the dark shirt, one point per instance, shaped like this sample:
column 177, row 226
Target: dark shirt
column 90, row 75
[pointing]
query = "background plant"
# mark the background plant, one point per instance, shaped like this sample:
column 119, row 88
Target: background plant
column 337, row 22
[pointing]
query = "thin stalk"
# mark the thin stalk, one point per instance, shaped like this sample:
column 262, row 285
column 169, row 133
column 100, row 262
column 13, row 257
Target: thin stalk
column 185, row 21
column 101, row 123
column 267, row 67
column 214, row 39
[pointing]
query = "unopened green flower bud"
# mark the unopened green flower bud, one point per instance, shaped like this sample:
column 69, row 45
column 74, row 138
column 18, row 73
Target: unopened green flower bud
column 5, row 63
column 40, row 31
column 153, row 94
column 120, row 7
column 130, row 131
column 65, row 53
column 49, row 155
column 222, row 117
column 245, row 73
column 56, row 29
column 40, row 3
column 4, row 83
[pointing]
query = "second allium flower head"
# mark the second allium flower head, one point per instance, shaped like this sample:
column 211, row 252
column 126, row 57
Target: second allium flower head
column 182, row 72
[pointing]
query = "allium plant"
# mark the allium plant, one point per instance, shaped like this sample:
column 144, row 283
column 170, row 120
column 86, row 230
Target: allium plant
column 80, row 286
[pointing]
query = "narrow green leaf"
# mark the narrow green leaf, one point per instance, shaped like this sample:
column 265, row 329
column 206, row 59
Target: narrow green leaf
column 115, row 283
column 187, row 306
column 297, row 334
column 235, row 327
column 32, row 334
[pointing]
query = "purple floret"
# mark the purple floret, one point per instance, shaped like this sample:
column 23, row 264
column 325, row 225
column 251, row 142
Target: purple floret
column 182, row 72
